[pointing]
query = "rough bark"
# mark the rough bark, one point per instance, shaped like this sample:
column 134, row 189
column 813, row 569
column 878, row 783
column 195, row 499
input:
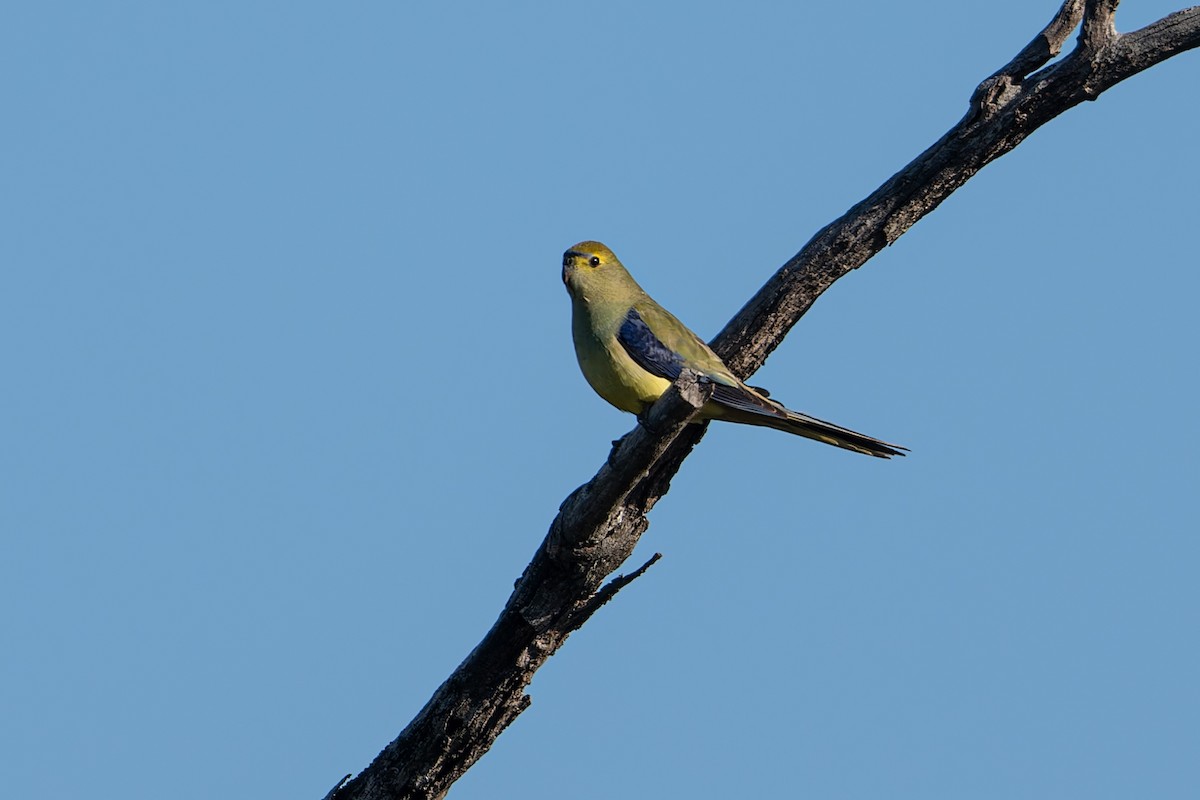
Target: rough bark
column 599, row 524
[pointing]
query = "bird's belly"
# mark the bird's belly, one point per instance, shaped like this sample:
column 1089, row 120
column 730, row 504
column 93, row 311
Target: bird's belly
column 616, row 378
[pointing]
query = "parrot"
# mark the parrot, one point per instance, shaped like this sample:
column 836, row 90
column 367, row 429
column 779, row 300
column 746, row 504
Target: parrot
column 630, row 349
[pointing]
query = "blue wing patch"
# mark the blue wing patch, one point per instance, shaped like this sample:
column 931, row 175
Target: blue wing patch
column 647, row 351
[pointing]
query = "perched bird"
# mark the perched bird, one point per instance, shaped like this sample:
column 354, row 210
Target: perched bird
column 630, row 350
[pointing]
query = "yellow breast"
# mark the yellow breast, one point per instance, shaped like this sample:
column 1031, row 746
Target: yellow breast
column 615, row 376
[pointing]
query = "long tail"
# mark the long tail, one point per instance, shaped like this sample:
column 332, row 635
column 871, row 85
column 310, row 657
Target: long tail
column 827, row 432
column 753, row 406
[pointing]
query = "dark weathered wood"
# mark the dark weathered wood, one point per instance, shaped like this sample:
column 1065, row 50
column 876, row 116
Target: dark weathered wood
column 596, row 529
column 599, row 524
column 1005, row 108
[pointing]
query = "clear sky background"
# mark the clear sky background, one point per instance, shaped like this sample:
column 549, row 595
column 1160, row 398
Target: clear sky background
column 289, row 401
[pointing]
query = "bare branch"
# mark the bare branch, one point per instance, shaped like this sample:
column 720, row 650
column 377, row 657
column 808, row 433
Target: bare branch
column 983, row 135
column 596, row 529
column 1155, row 43
column 998, row 87
column 1099, row 29
column 1047, row 44
column 599, row 524
column 608, row 593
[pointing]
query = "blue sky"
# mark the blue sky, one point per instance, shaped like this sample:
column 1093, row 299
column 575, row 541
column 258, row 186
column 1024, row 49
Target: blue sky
column 290, row 401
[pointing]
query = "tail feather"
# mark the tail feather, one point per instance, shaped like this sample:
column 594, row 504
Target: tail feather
column 821, row 431
column 836, row 435
column 752, row 406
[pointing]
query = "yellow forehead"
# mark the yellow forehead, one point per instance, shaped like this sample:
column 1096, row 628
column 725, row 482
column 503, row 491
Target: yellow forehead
column 589, row 249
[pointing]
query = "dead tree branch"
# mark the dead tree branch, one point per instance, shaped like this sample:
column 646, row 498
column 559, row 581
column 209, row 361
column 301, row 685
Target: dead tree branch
column 599, row 524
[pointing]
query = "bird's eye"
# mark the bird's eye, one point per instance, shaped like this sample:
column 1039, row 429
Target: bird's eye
column 594, row 261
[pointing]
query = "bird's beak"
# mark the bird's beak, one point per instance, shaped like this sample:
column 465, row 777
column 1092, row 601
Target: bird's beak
column 568, row 263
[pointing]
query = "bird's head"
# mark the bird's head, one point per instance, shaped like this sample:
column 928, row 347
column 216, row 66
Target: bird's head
column 590, row 270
